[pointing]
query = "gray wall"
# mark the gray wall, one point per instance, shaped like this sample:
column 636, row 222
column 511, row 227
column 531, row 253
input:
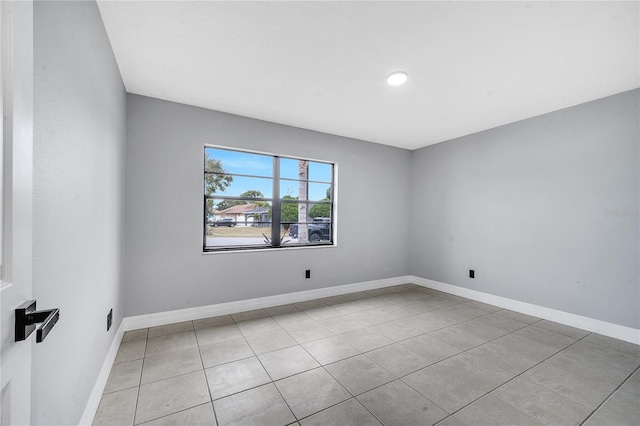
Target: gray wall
column 79, row 135
column 525, row 205
column 164, row 267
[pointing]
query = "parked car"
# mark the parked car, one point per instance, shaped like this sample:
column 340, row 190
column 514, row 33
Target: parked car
column 319, row 230
column 225, row 221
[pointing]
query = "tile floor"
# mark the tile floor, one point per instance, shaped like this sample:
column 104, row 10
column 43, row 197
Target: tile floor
column 401, row 355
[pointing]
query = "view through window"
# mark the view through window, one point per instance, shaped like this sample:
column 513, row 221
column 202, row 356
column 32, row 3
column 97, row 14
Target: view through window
column 256, row 200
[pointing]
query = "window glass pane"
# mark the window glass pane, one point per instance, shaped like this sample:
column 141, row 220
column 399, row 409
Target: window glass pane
column 315, row 191
column 237, row 225
column 289, row 168
column 320, row 171
column 303, row 233
column 238, row 186
column 234, row 162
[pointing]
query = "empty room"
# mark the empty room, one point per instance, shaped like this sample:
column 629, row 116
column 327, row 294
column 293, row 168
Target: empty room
column 320, row 213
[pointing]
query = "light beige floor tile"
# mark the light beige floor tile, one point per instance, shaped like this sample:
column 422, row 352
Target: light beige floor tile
column 615, row 344
column 397, row 359
column 286, row 362
column 427, row 322
column 450, row 421
column 500, row 322
column 359, row 374
column 305, row 400
column 479, row 372
column 498, row 355
column 282, row 309
column 395, row 331
column 348, row 413
column 117, row 408
column 322, row 313
column 124, row 375
column 467, row 334
column 169, row 396
column 225, row 351
column 341, row 324
column 429, row 348
column 527, row 319
column 447, row 390
column 212, row 322
column 308, row 332
column 622, row 408
column 292, row 319
column 270, row 341
column 542, row 404
column 365, row 339
column 255, row 407
column 525, row 346
column 170, row 364
column 310, row 304
column 330, row 349
column 202, row 415
column 257, row 326
column 234, row 377
column 397, row 404
column 493, row 411
column 163, row 330
column 562, row 329
column 130, row 351
column 248, row 315
column 542, row 335
column 587, row 391
column 130, row 336
column 171, row 343
column 220, row 333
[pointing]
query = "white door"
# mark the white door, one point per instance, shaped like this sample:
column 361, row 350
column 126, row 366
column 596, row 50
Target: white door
column 16, row 34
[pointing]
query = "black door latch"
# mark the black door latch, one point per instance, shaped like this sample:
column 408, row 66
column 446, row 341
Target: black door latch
column 27, row 317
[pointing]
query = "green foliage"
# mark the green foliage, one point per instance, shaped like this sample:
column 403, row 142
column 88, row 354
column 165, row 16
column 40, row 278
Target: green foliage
column 320, row 210
column 289, row 211
column 252, row 193
column 215, row 182
column 222, row 205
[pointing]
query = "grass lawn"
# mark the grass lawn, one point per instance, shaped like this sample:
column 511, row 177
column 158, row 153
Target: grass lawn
column 238, row 231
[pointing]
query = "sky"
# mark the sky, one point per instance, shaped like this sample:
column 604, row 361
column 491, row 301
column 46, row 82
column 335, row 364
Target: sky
column 235, row 162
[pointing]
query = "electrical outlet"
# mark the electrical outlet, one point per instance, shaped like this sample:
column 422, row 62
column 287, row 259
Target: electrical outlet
column 109, row 319
column 472, row 273
column 307, row 273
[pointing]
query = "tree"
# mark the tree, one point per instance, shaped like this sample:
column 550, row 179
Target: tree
column 223, row 205
column 218, row 181
column 289, row 211
column 303, row 174
column 320, row 210
column 251, row 193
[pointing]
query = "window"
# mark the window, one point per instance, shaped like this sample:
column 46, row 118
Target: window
column 254, row 201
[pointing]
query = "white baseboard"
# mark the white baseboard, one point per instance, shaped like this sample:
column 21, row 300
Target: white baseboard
column 189, row 314
column 616, row 331
column 96, row 393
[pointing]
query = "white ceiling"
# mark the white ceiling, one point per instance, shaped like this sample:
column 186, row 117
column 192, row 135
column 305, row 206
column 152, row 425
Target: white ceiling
column 322, row 65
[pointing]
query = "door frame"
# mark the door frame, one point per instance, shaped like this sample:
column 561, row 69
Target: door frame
column 16, row 45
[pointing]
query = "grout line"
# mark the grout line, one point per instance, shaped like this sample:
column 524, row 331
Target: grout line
column 611, row 394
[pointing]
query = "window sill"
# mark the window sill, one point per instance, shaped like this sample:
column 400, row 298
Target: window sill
column 327, row 246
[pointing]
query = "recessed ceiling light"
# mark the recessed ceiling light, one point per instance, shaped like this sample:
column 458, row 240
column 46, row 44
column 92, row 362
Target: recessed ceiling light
column 397, row 78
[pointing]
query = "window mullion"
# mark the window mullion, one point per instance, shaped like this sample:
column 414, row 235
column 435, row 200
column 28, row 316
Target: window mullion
column 276, row 211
